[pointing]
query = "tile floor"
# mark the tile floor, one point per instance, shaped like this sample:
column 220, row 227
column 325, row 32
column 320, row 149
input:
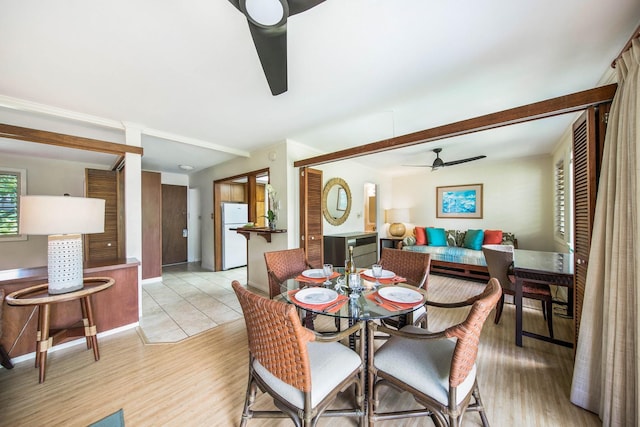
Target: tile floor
column 188, row 301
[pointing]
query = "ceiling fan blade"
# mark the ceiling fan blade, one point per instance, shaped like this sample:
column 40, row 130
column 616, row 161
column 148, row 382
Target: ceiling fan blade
column 297, row 6
column 271, row 45
column 457, row 162
column 236, row 4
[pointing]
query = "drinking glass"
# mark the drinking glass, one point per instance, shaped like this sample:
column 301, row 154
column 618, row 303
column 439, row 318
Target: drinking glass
column 328, row 272
column 377, row 273
column 354, row 284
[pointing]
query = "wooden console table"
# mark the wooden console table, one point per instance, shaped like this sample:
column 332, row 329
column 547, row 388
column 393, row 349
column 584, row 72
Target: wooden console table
column 46, row 336
column 113, row 308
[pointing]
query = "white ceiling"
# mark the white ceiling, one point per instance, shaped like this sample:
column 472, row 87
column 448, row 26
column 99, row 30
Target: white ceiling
column 359, row 71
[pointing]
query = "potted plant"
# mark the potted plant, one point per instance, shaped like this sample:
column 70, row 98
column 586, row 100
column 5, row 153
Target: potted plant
column 271, row 218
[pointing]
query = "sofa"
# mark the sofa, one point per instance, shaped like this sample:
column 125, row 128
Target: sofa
column 456, row 252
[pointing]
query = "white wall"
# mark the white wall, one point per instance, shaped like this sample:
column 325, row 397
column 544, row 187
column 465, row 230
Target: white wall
column 44, row 177
column 518, row 197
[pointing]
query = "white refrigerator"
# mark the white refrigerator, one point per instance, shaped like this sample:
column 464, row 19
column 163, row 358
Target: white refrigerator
column 234, row 245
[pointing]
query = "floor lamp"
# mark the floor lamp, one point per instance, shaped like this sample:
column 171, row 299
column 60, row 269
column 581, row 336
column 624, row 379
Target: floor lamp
column 63, row 219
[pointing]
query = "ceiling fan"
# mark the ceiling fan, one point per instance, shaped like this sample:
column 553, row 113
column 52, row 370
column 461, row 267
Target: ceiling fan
column 268, row 25
column 439, row 163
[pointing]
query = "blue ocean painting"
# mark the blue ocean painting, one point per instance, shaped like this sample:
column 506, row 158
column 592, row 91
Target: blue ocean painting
column 459, row 202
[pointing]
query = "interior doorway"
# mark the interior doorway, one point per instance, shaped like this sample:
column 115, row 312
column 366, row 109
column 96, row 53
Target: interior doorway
column 247, row 189
column 370, row 207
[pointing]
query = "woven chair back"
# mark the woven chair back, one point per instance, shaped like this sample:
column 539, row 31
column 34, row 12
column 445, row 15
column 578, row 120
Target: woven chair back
column 414, row 266
column 284, row 265
column 276, row 337
column 468, row 333
column 499, row 259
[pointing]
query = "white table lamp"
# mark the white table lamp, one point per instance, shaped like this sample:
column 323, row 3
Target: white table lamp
column 63, row 219
column 397, row 218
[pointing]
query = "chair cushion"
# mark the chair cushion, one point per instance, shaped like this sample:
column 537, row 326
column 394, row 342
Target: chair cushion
column 330, row 364
column 423, row 365
column 436, row 237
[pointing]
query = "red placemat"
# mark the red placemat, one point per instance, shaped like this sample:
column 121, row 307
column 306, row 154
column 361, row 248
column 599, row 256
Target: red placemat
column 335, row 304
column 389, row 305
column 396, row 279
column 302, row 278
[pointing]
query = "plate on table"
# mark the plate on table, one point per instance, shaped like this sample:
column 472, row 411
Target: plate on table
column 386, row 274
column 316, row 295
column 400, row 294
column 314, row 273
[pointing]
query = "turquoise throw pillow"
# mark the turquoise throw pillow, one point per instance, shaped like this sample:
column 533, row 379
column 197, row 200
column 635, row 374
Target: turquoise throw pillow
column 473, row 239
column 436, row 237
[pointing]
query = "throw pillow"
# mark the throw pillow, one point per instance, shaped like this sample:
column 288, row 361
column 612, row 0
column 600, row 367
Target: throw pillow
column 492, row 237
column 409, row 241
column 473, row 239
column 451, row 237
column 436, row 237
column 421, row 237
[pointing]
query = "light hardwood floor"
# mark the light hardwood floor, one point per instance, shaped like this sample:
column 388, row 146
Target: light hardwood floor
column 200, row 381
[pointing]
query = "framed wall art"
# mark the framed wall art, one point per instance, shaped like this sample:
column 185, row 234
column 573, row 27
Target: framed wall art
column 459, row 201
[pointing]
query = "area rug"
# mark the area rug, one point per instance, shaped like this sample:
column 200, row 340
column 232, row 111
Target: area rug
column 114, row 420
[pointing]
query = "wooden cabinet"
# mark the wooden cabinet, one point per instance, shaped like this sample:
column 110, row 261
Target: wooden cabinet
column 151, row 225
column 110, row 245
column 365, row 248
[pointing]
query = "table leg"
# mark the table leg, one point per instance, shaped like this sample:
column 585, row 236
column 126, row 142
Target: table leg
column 518, row 303
column 90, row 330
column 38, row 337
column 44, row 342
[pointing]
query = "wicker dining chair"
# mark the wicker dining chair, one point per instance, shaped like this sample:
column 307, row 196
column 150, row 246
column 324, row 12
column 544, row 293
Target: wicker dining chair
column 413, row 266
column 437, row 368
column 499, row 261
column 301, row 370
column 284, row 265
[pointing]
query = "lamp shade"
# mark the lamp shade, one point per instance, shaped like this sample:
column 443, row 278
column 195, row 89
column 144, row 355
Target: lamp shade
column 397, row 215
column 63, row 219
column 46, row 215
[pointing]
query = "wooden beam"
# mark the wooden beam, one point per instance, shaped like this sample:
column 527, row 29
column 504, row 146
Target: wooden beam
column 539, row 110
column 63, row 140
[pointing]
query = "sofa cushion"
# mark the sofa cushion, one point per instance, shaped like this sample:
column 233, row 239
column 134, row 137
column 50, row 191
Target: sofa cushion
column 508, row 239
column 492, row 237
column 409, row 241
column 436, row 237
column 421, row 236
column 473, row 239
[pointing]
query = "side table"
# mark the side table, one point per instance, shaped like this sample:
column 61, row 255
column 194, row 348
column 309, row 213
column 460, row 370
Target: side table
column 388, row 242
column 46, row 338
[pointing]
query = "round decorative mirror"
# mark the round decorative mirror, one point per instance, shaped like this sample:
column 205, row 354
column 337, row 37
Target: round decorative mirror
column 336, row 201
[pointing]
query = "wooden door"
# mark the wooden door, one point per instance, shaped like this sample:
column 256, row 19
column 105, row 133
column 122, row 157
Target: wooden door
column 588, row 143
column 151, row 225
column 174, row 224
column 311, row 239
column 105, row 184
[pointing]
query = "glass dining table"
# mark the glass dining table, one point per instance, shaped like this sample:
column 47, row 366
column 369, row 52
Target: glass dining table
column 393, row 298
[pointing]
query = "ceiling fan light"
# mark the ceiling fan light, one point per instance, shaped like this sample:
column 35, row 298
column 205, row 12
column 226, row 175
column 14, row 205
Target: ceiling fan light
column 267, row 13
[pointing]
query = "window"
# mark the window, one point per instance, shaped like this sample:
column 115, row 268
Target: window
column 559, row 182
column 12, row 186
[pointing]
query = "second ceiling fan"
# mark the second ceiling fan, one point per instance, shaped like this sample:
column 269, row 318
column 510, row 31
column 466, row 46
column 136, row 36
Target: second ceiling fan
column 268, row 25
column 439, row 163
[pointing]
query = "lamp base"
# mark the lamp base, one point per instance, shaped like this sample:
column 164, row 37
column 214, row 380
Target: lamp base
column 397, row 229
column 65, row 263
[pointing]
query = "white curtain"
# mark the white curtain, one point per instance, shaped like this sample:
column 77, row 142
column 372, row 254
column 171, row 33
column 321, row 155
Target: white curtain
column 605, row 377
